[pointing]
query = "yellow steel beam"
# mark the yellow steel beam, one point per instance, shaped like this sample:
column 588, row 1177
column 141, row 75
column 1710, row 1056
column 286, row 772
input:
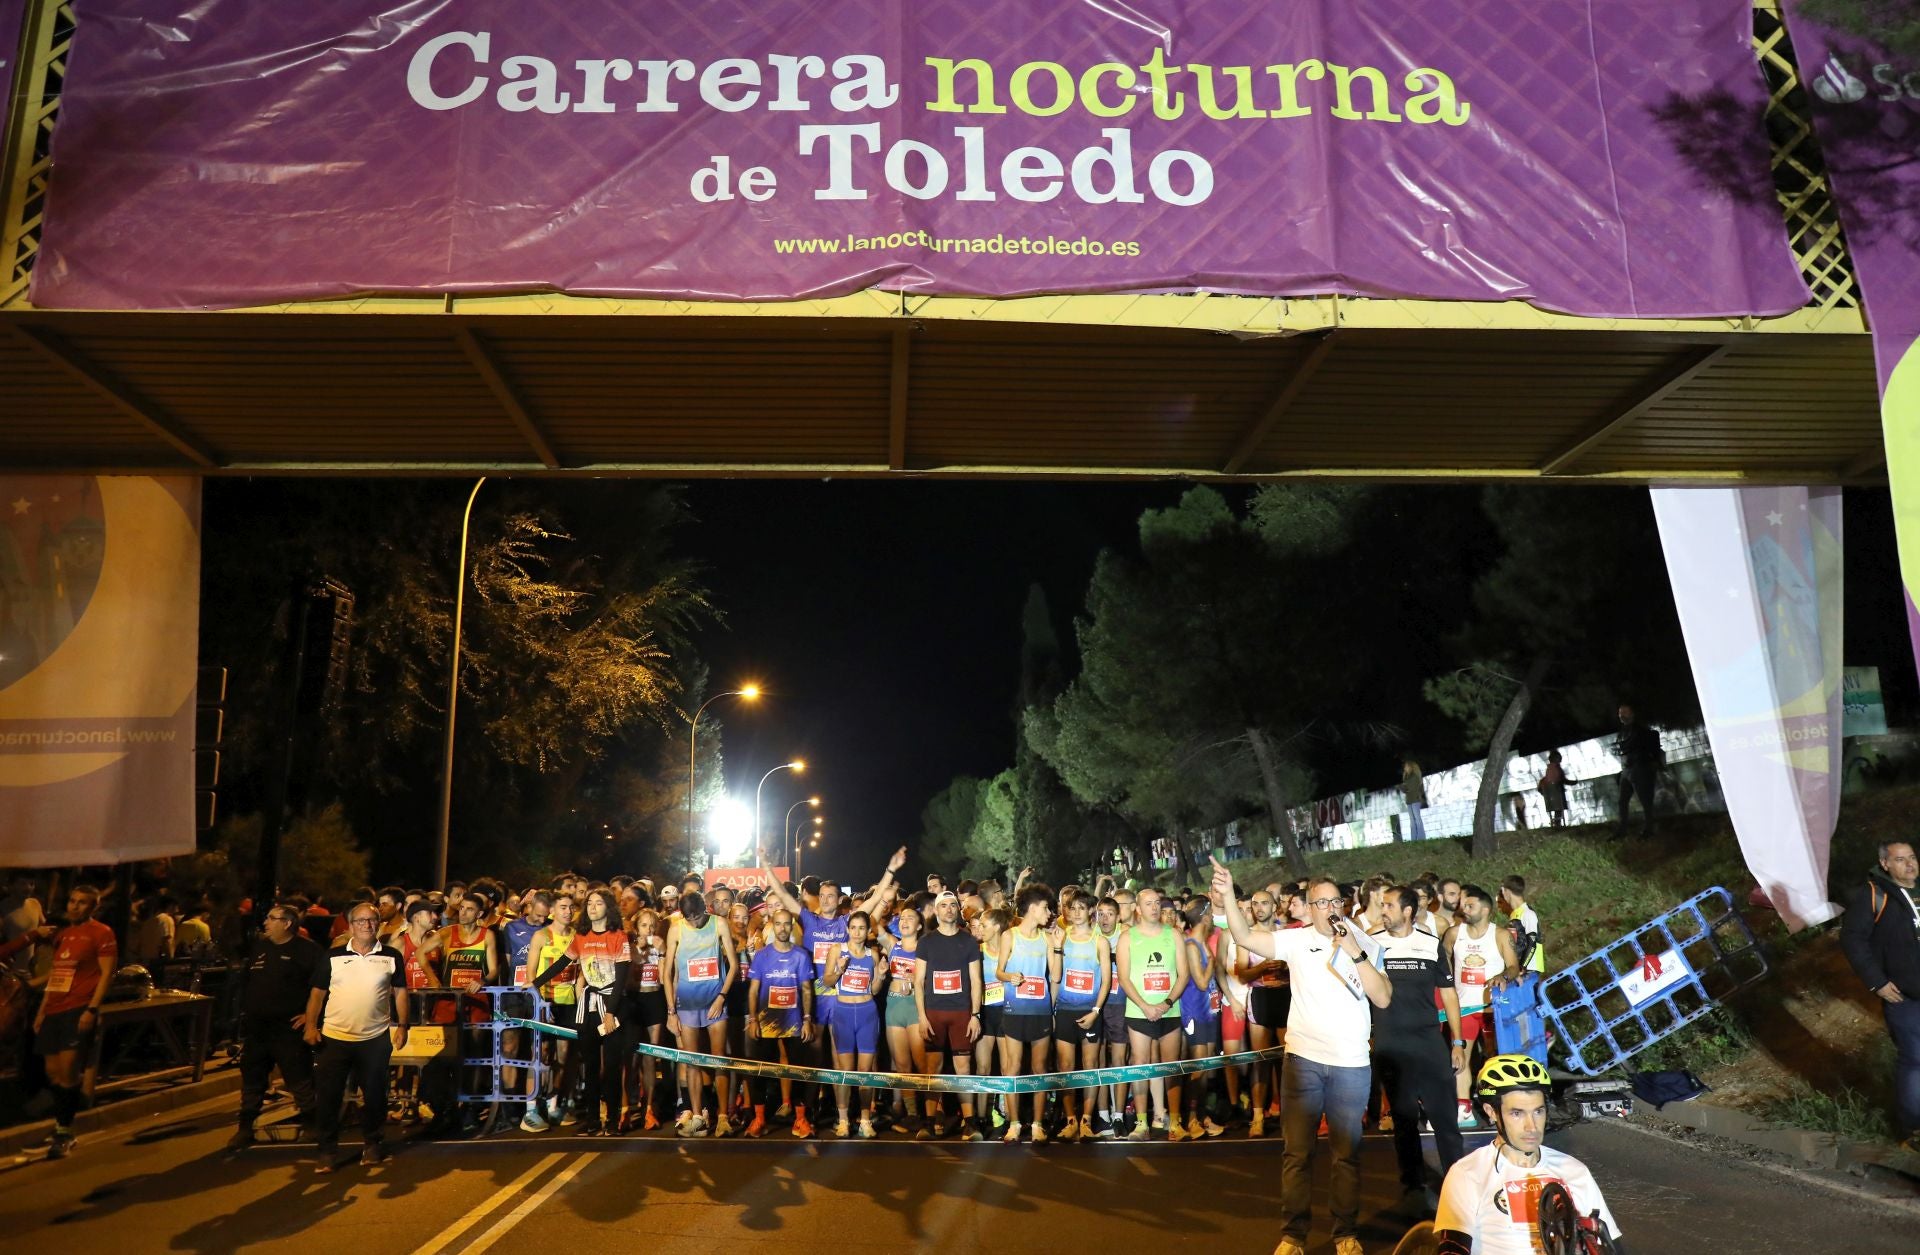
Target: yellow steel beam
column 1262, row 426
column 1676, row 377
column 509, row 397
column 130, row 403
column 897, row 399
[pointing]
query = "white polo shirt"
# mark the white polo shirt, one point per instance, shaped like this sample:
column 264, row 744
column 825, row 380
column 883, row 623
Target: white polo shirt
column 1329, row 1022
column 359, row 991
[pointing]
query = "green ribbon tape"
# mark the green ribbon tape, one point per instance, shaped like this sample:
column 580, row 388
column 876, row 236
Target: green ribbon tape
column 1040, row 1083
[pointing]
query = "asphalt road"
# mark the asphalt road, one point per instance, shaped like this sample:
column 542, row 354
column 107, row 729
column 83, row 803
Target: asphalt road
column 169, row 1187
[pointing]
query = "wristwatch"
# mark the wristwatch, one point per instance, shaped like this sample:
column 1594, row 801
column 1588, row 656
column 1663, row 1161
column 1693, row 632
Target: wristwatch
column 1460, row 1041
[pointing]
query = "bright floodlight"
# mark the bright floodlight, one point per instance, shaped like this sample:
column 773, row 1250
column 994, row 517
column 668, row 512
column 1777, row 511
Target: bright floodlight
column 750, row 691
column 730, row 831
column 813, row 801
column 798, row 765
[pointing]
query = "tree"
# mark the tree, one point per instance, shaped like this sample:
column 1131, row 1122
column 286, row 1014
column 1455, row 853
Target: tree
column 946, row 826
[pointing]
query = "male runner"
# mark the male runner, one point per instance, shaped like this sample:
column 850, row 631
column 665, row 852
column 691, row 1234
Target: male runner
column 946, row 990
column 1268, row 999
column 1025, row 964
column 700, row 966
column 1153, row 972
column 1490, row 1201
column 780, row 994
column 1482, row 957
column 1113, row 1019
column 84, row 955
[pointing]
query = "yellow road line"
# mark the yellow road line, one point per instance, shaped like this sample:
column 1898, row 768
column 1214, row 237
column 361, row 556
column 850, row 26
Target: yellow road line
column 441, row 1240
column 530, row 1205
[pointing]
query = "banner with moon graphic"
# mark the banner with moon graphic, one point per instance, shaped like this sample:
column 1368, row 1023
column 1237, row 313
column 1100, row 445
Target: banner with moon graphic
column 1866, row 114
column 99, row 646
column 1757, row 580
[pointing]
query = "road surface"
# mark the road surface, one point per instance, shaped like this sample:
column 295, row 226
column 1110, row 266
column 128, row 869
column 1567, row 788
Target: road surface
column 168, row 1186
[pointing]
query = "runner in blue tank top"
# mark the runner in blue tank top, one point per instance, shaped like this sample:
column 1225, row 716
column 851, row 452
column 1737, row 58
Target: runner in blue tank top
column 1082, row 963
column 1200, row 1004
column 855, row 971
column 1025, row 965
column 700, row 966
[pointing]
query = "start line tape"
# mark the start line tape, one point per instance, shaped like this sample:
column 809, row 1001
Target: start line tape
column 1039, row 1083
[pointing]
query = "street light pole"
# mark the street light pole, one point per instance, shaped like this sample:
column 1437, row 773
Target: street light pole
column 786, row 828
column 749, row 692
column 796, row 765
column 453, row 697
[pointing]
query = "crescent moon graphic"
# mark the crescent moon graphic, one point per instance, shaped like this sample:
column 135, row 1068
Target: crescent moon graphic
column 124, row 658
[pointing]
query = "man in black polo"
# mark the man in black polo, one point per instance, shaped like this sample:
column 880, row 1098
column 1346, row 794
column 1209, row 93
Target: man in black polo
column 361, row 988
column 273, row 1017
column 1414, row 1062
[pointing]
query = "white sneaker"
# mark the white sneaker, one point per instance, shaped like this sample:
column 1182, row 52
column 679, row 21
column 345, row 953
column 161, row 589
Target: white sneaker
column 1386, row 1123
column 842, row 1128
column 1194, row 1128
column 1259, row 1126
column 1289, row 1246
column 695, row 1126
column 1348, row 1245
column 1039, row 1135
column 1012, row 1135
column 1160, row 1121
column 1212, row 1127
column 1140, row 1133
column 723, row 1127
column 866, row 1126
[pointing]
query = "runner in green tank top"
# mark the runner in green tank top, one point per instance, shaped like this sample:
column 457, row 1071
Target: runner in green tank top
column 1153, row 971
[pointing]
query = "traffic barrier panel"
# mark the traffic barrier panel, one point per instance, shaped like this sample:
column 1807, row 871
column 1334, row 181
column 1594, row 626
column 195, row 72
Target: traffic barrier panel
column 1651, row 983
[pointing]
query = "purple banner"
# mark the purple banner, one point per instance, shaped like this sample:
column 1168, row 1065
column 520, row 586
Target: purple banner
column 12, row 27
column 226, row 152
column 1866, row 113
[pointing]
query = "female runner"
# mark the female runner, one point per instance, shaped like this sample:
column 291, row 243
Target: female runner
column 856, row 970
column 905, row 1045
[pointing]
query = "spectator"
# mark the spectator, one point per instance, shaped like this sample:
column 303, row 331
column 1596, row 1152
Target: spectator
column 1881, row 936
column 1523, row 925
column 152, row 939
column 357, row 1016
column 1638, row 749
column 1414, row 788
column 20, row 913
column 1553, row 790
column 193, row 935
column 273, row 1019
column 1413, row 1062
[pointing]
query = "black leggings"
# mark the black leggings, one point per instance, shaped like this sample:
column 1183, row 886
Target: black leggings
column 602, row 1069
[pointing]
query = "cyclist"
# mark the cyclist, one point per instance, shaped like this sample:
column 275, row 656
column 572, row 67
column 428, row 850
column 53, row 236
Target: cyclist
column 1490, row 1202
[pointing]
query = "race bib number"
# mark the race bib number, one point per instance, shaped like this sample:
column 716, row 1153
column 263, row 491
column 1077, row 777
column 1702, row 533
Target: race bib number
column 822, row 951
column 782, row 997
column 1215, row 1001
column 649, row 974
column 464, row 978
column 703, row 969
column 1077, row 982
column 902, row 967
column 61, row 980
column 1157, row 982
column 520, row 974
column 947, row 983
column 994, row 994
column 1032, row 987
column 1473, row 976
column 855, row 982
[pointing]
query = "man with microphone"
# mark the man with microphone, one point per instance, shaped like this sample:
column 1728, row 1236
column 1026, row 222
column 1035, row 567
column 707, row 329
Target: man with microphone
column 1327, row 1071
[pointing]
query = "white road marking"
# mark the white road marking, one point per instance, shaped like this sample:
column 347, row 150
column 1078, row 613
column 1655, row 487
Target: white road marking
column 506, row 1223
column 441, row 1240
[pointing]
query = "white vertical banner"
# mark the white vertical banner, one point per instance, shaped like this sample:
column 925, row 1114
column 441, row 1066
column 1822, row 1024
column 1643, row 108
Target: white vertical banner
column 1756, row 576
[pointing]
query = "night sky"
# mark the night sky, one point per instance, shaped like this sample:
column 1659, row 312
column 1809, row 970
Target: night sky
column 884, row 619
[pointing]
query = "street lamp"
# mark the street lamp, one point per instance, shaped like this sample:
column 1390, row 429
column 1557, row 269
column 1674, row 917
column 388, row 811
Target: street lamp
column 799, row 853
column 786, row 827
column 796, row 766
column 748, row 692
column 453, row 697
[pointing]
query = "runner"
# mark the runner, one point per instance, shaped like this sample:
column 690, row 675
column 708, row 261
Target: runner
column 906, row 1048
column 1200, row 1004
column 856, row 970
column 1482, row 956
column 947, row 983
column 1113, row 1019
column 645, row 1018
column 1268, row 1001
column 1233, row 1000
column 1409, row 1058
column 518, row 933
column 700, row 966
column 603, row 950
column 992, row 925
column 85, row 953
column 1081, row 965
column 1153, row 972
column 549, row 950
column 1025, row 958
column 780, row 995
column 1490, row 1201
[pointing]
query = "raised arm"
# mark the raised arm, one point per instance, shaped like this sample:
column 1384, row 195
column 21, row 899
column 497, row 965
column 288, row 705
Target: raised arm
column 1244, row 935
column 880, row 890
column 779, row 890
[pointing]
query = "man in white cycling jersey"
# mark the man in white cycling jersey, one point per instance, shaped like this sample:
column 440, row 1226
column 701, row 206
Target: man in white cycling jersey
column 1490, row 1202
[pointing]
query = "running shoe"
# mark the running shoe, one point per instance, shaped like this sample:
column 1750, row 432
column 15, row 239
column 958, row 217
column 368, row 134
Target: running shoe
column 61, row 1146
column 651, row 1123
column 696, row 1126
column 533, row 1121
column 1159, row 1122
column 784, row 1113
column 802, row 1127
column 568, row 1116
column 592, row 1128
column 841, row 1129
column 1259, row 1126
column 970, row 1130
column 1194, row 1129
column 999, row 1119
column 925, row 1132
column 1039, row 1135
column 1085, row 1131
column 1212, row 1127
column 1140, row 1133
column 372, row 1155
column 723, row 1127
column 758, row 1128
column 1386, row 1123
column 1102, row 1129
column 866, row 1126
column 1348, row 1245
column 1176, row 1132
column 1012, row 1136
column 1466, row 1119
column 681, row 1121
column 1289, row 1246
column 901, row 1122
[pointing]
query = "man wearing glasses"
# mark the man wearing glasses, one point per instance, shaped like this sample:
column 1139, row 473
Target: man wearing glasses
column 362, row 989
column 1328, row 1065
column 273, row 1015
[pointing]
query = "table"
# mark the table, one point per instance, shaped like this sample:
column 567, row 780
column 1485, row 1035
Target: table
column 162, row 1013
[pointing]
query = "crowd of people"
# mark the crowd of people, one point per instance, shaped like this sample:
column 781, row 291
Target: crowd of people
column 1378, row 992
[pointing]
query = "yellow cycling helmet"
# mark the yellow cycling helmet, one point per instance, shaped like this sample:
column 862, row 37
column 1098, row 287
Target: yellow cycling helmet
column 1503, row 1074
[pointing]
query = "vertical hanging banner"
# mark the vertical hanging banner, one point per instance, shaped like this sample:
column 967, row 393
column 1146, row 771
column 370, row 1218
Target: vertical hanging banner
column 1866, row 114
column 99, row 643
column 1756, row 578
